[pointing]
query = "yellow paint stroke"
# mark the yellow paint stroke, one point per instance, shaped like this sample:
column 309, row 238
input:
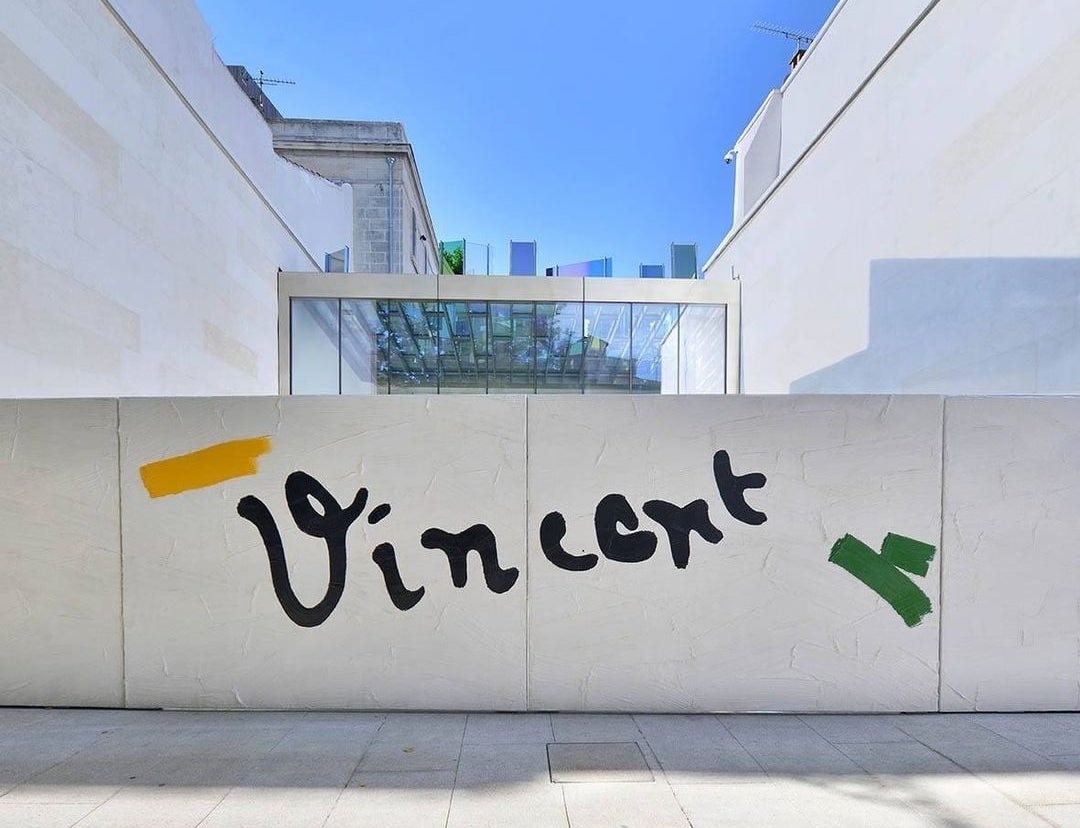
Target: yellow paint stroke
column 205, row 467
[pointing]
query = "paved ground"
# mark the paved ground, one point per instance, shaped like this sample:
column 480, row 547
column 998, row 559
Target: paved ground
column 153, row 768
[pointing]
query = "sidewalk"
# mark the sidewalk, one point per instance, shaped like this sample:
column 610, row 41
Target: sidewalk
column 109, row 769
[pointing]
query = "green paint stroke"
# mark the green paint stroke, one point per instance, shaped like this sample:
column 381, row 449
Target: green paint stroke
column 909, row 554
column 878, row 573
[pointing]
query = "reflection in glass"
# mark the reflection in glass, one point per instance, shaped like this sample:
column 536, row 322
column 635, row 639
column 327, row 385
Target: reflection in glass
column 702, row 347
column 463, row 347
column 653, row 348
column 359, row 347
column 314, row 346
column 408, row 347
column 512, row 369
column 558, row 333
column 605, row 348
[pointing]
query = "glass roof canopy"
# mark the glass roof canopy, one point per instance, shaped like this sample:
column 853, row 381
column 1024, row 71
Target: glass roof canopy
column 503, row 335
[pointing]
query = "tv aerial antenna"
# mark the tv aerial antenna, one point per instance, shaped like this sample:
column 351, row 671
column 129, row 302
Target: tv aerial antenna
column 803, row 39
column 262, row 80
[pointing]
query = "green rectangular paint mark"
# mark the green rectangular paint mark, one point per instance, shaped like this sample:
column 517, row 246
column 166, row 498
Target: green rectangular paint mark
column 909, row 554
column 883, row 577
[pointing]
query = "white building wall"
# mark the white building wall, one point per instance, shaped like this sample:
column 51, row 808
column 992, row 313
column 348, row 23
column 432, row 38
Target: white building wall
column 853, row 40
column 145, row 213
column 758, row 154
column 962, row 147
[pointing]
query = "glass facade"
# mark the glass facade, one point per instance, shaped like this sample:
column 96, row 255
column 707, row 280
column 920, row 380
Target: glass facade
column 392, row 346
column 522, row 258
column 684, row 261
column 651, row 271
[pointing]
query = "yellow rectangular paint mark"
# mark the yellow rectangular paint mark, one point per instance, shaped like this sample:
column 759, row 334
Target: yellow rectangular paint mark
column 205, row 467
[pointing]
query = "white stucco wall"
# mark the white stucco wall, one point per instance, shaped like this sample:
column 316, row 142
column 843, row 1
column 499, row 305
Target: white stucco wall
column 758, row 155
column 853, row 40
column 958, row 159
column 123, row 581
column 142, row 225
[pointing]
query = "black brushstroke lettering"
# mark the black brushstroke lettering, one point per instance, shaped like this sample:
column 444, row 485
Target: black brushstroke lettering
column 732, row 488
column 679, row 522
column 477, row 538
column 635, row 547
column 552, row 531
column 402, row 597
column 332, row 524
column 378, row 513
column 252, row 509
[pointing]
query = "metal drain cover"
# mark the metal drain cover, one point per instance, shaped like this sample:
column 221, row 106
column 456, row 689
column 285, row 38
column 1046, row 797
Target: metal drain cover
column 597, row 762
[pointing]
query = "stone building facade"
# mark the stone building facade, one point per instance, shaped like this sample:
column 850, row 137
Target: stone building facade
column 392, row 228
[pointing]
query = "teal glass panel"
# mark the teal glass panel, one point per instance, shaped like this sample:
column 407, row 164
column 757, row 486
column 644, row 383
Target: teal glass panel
column 684, row 261
column 452, row 254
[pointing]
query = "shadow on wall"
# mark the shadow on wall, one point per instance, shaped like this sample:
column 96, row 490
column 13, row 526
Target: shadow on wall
column 965, row 326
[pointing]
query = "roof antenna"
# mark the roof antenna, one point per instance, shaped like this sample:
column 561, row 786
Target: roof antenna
column 262, row 80
column 802, row 40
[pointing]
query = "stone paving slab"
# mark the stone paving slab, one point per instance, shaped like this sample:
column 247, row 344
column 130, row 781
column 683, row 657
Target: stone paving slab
column 115, row 768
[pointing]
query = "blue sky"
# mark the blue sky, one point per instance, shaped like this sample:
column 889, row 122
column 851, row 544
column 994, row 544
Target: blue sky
column 595, row 129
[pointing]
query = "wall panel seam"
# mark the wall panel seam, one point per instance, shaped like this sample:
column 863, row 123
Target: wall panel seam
column 941, row 556
column 120, row 547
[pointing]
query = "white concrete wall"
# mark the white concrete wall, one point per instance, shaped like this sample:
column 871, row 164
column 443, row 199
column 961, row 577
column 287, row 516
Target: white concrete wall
column 1011, row 572
column 145, row 213
column 757, row 155
column 854, row 39
column 60, row 554
column 203, row 627
column 960, row 148
column 759, row 619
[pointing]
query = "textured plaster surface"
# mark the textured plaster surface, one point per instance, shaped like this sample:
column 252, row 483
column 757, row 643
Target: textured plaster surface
column 1011, row 580
column 761, row 620
column 203, row 625
column 60, row 553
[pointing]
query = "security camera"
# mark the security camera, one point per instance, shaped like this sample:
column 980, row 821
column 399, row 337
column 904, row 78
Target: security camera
column 729, row 157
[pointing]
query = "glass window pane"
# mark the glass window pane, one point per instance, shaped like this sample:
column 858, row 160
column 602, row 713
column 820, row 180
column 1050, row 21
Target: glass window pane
column 359, row 347
column 702, row 349
column 463, row 351
column 513, row 349
column 313, row 346
column 606, row 347
column 522, row 258
column 684, row 261
column 559, row 347
column 654, row 348
column 410, row 346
